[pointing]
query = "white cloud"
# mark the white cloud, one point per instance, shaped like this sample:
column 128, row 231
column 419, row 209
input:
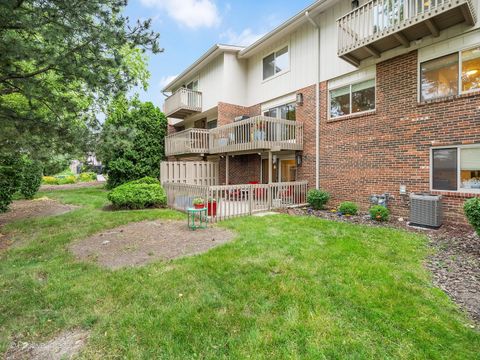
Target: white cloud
column 165, row 80
column 191, row 13
column 246, row 37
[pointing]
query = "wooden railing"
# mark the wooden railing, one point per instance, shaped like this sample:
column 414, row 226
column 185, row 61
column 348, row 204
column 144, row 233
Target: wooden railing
column 377, row 18
column 190, row 141
column 189, row 172
column 230, row 201
column 183, row 99
column 259, row 132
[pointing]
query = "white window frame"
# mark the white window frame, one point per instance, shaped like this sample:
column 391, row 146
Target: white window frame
column 275, row 57
column 191, row 82
column 459, row 80
column 278, row 112
column 459, row 165
column 359, row 113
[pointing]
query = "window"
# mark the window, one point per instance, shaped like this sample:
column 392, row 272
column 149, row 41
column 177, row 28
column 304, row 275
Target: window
column 212, row 124
column 193, row 85
column 456, row 168
column 286, row 112
column 450, row 75
column 471, row 69
column 440, row 77
column 275, row 63
column 352, row 99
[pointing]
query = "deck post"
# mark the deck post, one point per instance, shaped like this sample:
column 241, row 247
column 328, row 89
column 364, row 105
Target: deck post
column 270, row 180
column 227, row 165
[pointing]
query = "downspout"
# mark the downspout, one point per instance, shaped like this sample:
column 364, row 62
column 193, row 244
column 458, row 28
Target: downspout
column 317, row 101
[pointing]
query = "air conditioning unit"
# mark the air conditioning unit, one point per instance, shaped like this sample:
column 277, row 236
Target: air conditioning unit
column 426, row 210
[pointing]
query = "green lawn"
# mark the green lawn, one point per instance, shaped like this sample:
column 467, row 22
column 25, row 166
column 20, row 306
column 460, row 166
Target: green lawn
column 287, row 287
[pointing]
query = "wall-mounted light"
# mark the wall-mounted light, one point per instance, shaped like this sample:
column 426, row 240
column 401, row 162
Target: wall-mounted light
column 299, row 99
column 299, row 159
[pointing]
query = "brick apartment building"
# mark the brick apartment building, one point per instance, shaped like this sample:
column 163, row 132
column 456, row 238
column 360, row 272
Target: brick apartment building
column 383, row 97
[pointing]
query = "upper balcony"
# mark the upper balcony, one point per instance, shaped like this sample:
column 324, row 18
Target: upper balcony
column 182, row 103
column 257, row 133
column 190, row 141
column 381, row 25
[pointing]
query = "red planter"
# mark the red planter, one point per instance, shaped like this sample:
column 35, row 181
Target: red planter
column 212, row 208
column 199, row 206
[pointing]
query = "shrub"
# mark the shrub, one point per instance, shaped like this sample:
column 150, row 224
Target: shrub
column 50, row 180
column 138, row 196
column 379, row 213
column 87, row 176
column 317, row 198
column 10, row 179
column 348, row 208
column 472, row 211
column 31, row 178
column 55, row 164
column 145, row 180
column 63, row 180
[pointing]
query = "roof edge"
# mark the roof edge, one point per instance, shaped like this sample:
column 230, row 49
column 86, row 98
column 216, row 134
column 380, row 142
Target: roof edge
column 300, row 16
column 215, row 48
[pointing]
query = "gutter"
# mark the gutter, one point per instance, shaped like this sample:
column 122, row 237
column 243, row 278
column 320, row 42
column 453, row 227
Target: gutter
column 317, row 101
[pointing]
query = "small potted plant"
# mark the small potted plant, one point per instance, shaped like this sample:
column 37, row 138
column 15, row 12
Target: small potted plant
column 199, row 203
column 212, row 207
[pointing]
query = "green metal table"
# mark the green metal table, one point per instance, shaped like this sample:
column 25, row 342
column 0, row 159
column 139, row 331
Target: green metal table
column 197, row 214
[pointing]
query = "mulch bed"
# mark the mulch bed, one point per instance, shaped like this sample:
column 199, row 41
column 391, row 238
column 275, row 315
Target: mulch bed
column 455, row 263
column 79, row 185
column 27, row 209
column 140, row 243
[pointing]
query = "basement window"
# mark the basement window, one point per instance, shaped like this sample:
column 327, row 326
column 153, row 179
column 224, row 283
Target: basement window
column 276, row 63
column 456, row 169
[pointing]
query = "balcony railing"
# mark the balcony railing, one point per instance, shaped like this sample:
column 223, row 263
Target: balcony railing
column 257, row 133
column 190, row 141
column 381, row 25
column 182, row 103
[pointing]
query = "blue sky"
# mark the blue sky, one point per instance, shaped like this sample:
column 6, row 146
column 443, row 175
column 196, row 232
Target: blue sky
column 188, row 28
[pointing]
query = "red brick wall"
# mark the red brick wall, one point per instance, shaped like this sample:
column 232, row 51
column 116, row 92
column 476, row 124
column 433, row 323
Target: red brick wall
column 306, row 114
column 228, row 112
column 376, row 153
column 242, row 169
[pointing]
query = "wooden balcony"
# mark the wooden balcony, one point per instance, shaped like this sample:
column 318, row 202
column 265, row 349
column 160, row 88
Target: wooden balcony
column 381, row 25
column 257, row 133
column 182, row 103
column 190, row 141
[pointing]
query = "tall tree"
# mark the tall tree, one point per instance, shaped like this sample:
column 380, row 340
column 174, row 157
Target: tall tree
column 132, row 141
column 61, row 61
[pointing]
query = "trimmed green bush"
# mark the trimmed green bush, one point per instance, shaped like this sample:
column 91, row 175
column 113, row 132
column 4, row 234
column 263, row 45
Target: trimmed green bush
column 379, row 213
column 317, row 198
column 87, row 176
column 63, row 180
column 472, row 212
column 135, row 195
column 31, row 178
column 348, row 208
column 10, row 179
column 145, row 180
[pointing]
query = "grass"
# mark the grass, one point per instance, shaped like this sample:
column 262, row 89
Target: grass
column 287, row 287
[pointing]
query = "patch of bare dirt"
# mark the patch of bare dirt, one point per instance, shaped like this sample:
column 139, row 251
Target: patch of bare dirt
column 79, row 185
column 27, row 209
column 140, row 243
column 64, row 346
